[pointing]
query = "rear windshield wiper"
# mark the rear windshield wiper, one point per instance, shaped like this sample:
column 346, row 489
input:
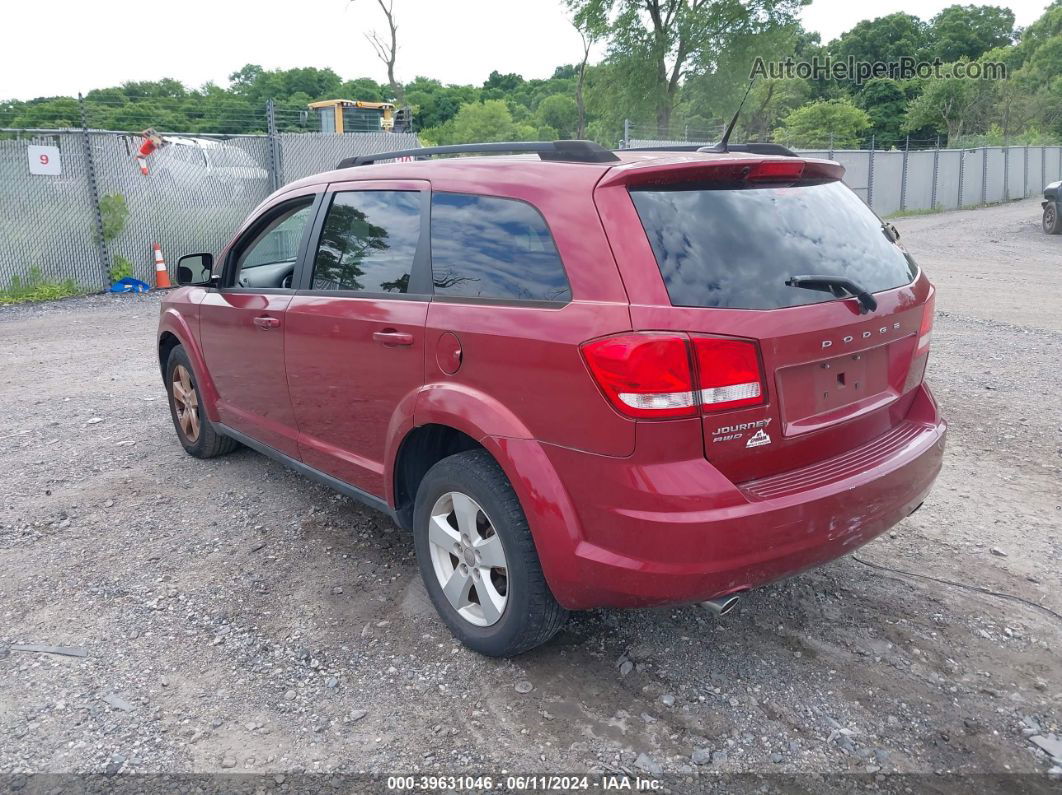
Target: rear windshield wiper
column 839, row 286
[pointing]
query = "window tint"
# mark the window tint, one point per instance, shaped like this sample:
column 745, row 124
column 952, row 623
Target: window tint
column 275, row 248
column 368, row 242
column 485, row 247
column 736, row 248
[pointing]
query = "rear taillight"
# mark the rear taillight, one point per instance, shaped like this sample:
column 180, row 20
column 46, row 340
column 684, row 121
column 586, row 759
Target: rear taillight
column 728, row 373
column 660, row 375
column 644, row 375
column 926, row 329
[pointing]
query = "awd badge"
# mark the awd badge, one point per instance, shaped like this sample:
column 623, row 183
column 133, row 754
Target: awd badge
column 758, row 439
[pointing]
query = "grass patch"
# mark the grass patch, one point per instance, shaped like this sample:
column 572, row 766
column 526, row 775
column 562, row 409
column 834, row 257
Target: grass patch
column 912, row 213
column 122, row 268
column 35, row 287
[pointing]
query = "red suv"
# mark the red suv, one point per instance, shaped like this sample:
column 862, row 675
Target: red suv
column 580, row 378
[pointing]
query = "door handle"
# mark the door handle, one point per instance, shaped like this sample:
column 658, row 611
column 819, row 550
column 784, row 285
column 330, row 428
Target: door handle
column 266, row 322
column 391, row 337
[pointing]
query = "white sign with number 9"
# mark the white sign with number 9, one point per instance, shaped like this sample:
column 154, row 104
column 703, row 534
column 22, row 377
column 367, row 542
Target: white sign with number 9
column 44, row 160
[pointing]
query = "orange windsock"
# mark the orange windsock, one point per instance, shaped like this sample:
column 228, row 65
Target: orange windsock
column 152, row 141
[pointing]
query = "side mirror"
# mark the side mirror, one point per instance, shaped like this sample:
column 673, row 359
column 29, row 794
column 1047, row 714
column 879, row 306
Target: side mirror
column 195, row 269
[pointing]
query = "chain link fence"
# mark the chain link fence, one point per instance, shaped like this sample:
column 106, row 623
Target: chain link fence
column 912, row 176
column 303, row 154
column 98, row 217
column 48, row 223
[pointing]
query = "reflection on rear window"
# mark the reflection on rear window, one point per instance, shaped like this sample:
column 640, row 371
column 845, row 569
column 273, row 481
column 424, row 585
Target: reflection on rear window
column 736, row 248
column 489, row 247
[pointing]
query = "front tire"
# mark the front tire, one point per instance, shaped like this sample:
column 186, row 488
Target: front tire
column 1052, row 219
column 194, row 429
column 478, row 559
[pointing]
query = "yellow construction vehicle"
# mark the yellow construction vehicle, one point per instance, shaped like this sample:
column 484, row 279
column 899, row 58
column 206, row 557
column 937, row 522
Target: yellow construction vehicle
column 351, row 115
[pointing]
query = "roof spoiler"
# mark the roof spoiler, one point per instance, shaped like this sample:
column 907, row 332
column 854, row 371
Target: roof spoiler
column 755, row 149
column 750, row 172
column 561, row 151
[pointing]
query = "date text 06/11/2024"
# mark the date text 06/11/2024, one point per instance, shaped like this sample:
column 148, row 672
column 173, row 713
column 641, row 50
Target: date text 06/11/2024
column 516, row 783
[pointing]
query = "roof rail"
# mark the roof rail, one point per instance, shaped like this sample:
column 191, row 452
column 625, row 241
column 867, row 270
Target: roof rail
column 756, row 149
column 564, row 151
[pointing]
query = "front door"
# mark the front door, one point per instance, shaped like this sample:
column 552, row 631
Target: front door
column 355, row 331
column 242, row 324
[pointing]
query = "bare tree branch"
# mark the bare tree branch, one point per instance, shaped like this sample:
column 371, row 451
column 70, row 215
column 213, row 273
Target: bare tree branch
column 580, row 102
column 387, row 51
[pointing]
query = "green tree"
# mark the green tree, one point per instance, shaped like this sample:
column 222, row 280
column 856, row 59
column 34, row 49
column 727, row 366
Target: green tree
column 489, row 120
column 948, row 105
column 434, row 104
column 560, row 112
column 45, row 112
column 885, row 39
column 817, row 124
column 361, row 88
column 969, row 31
column 708, row 98
column 885, row 102
column 498, row 85
column 769, row 102
column 655, row 44
column 1036, row 69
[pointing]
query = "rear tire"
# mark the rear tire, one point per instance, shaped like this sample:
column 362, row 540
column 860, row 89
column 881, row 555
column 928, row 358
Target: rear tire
column 470, row 534
column 194, row 429
column 1052, row 219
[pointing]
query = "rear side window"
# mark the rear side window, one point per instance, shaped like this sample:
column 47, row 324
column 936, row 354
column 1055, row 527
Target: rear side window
column 486, row 247
column 735, row 248
column 368, row 242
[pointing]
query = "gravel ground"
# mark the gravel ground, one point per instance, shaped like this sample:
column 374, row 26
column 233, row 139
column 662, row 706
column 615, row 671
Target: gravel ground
column 235, row 617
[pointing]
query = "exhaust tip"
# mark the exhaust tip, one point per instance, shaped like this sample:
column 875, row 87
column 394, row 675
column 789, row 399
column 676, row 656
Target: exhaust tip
column 722, row 605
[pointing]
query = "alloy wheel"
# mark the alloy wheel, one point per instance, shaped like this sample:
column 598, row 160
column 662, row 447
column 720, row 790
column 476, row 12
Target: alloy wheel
column 468, row 559
column 185, row 402
column 1049, row 218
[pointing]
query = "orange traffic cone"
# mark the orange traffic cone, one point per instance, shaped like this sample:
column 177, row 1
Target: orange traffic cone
column 162, row 273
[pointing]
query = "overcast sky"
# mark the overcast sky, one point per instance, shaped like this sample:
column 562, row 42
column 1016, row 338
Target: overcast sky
column 66, row 46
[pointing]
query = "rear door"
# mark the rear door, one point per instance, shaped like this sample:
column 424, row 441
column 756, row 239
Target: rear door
column 712, row 259
column 355, row 327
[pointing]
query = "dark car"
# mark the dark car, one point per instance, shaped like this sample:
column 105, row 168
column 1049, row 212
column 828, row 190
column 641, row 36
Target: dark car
column 1052, row 205
column 581, row 379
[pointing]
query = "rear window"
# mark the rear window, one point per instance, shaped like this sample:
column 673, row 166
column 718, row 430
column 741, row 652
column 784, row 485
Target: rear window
column 736, row 248
column 487, row 247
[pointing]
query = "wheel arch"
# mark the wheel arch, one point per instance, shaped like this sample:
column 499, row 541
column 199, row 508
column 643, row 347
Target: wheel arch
column 420, row 449
column 173, row 331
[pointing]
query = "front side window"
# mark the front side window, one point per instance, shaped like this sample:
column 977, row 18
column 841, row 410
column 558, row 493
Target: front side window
column 268, row 260
column 487, row 247
column 368, row 242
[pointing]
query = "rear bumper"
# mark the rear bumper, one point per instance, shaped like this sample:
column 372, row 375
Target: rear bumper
column 624, row 532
